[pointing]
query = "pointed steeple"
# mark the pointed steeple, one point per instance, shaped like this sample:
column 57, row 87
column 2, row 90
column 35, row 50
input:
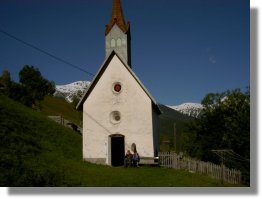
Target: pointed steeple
column 117, row 17
column 118, row 34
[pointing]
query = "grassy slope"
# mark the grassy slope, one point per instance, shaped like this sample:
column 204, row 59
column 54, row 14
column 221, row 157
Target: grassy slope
column 56, row 106
column 35, row 151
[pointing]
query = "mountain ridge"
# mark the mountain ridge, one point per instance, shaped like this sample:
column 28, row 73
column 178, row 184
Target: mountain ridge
column 69, row 91
column 189, row 108
column 78, row 88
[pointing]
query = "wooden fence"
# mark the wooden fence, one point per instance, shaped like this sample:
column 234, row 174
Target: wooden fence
column 172, row 160
column 61, row 120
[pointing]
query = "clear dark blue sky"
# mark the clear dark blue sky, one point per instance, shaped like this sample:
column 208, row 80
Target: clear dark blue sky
column 181, row 49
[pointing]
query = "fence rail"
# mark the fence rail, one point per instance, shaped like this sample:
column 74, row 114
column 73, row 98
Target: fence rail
column 61, row 120
column 175, row 161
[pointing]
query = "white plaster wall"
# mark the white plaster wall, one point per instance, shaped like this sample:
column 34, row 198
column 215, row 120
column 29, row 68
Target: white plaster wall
column 133, row 104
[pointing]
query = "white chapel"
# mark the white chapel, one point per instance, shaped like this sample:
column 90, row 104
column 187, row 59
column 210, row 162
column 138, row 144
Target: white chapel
column 119, row 114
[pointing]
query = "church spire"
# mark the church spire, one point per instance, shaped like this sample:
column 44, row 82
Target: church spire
column 117, row 34
column 117, row 17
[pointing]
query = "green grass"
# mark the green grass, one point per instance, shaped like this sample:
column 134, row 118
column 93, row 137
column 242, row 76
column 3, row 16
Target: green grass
column 105, row 176
column 57, row 106
column 35, row 151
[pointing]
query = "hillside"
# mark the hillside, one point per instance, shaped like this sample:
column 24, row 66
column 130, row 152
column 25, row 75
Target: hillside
column 57, row 106
column 35, row 151
column 167, row 121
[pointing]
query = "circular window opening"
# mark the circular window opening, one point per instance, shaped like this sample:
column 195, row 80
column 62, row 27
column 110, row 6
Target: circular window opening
column 115, row 117
column 117, row 87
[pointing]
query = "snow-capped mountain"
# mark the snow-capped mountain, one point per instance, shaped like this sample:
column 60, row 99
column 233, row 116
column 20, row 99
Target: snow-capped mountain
column 68, row 91
column 78, row 88
column 191, row 109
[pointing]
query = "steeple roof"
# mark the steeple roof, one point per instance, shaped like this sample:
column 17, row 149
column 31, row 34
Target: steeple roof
column 117, row 17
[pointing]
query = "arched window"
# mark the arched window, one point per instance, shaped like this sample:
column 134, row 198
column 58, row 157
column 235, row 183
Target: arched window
column 113, row 43
column 123, row 42
column 118, row 42
column 133, row 147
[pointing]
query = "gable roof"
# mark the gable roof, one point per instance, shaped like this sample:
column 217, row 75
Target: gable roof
column 99, row 75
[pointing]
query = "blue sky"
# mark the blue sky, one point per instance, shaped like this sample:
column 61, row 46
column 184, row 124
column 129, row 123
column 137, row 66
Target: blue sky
column 181, row 49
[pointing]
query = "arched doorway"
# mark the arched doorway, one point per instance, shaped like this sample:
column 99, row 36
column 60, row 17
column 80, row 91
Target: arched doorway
column 117, row 149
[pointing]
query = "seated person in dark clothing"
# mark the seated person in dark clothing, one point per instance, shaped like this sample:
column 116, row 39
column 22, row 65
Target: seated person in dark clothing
column 128, row 158
column 136, row 159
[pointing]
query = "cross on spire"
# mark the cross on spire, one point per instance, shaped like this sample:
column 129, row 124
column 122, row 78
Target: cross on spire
column 117, row 17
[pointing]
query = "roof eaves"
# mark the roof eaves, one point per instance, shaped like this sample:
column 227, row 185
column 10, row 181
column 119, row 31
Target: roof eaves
column 101, row 71
column 94, row 81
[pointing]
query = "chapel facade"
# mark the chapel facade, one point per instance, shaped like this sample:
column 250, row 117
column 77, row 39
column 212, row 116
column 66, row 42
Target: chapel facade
column 119, row 113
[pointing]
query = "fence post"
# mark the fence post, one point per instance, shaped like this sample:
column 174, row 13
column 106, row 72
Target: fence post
column 223, row 173
column 220, row 172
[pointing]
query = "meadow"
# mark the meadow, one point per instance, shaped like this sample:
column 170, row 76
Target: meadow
column 35, row 151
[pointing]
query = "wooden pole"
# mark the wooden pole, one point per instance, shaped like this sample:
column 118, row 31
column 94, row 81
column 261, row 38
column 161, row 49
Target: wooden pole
column 175, row 138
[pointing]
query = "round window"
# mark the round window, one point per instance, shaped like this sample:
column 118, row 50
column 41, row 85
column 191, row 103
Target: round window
column 117, row 87
column 115, row 117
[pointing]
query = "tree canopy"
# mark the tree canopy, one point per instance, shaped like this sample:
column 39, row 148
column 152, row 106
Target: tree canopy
column 32, row 88
column 38, row 86
column 224, row 124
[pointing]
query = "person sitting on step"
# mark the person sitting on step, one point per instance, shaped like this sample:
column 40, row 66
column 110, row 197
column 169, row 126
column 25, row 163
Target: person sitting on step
column 128, row 159
column 136, row 159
